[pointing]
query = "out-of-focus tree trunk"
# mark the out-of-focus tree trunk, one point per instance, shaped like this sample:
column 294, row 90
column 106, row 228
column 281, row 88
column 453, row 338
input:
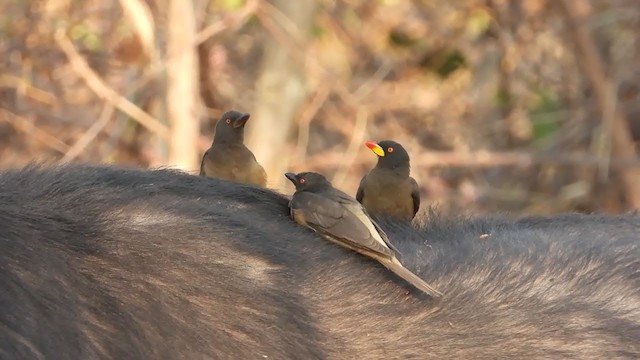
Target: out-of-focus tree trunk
column 589, row 60
column 182, row 90
column 279, row 94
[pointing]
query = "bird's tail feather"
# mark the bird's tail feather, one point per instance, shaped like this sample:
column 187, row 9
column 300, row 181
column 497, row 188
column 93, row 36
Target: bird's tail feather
column 395, row 266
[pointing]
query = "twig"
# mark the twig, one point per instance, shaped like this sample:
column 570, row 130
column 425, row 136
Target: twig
column 30, row 90
column 291, row 29
column 290, row 41
column 374, row 80
column 33, row 131
column 482, row 159
column 304, row 123
column 352, row 150
column 96, row 84
column 141, row 19
column 236, row 20
column 86, row 138
column 589, row 60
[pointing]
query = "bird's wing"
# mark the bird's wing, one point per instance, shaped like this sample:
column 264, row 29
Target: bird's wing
column 384, row 236
column 331, row 217
column 358, row 210
column 257, row 173
column 415, row 195
column 263, row 174
column 204, row 157
column 360, row 192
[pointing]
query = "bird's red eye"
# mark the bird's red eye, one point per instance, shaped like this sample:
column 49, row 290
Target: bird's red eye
column 389, row 149
column 301, row 181
column 228, row 121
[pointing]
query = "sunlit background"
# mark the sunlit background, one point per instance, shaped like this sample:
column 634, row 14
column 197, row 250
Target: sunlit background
column 526, row 106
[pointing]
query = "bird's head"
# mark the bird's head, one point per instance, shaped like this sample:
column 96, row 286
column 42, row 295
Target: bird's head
column 308, row 181
column 391, row 155
column 230, row 127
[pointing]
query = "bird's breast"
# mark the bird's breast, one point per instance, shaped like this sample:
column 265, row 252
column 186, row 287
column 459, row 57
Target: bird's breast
column 389, row 198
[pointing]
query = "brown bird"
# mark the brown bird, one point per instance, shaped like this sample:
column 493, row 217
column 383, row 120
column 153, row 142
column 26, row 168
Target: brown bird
column 341, row 219
column 228, row 158
column 388, row 189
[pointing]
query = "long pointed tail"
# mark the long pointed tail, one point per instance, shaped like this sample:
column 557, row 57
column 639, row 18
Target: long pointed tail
column 395, row 266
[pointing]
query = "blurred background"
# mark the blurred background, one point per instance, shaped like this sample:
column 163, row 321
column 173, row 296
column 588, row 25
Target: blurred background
column 525, row 106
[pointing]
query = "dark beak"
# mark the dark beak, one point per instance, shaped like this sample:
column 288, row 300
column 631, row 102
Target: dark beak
column 292, row 177
column 241, row 121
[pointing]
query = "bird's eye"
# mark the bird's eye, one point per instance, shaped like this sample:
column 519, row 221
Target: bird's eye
column 389, row 149
column 228, row 121
column 301, row 181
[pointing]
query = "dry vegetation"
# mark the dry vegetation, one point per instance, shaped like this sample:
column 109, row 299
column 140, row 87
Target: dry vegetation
column 523, row 106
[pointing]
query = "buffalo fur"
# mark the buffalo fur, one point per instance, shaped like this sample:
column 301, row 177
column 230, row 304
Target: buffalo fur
column 101, row 262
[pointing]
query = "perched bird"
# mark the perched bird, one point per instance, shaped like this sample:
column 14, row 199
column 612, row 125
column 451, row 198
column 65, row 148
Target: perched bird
column 341, row 219
column 228, row 158
column 388, row 189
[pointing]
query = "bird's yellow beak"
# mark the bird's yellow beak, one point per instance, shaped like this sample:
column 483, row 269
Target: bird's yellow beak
column 377, row 149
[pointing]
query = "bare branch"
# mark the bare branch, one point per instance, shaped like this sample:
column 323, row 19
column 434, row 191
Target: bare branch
column 482, row 159
column 84, row 141
column 349, row 157
column 236, row 20
column 33, row 131
column 141, row 19
column 29, row 89
column 304, row 122
column 103, row 91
